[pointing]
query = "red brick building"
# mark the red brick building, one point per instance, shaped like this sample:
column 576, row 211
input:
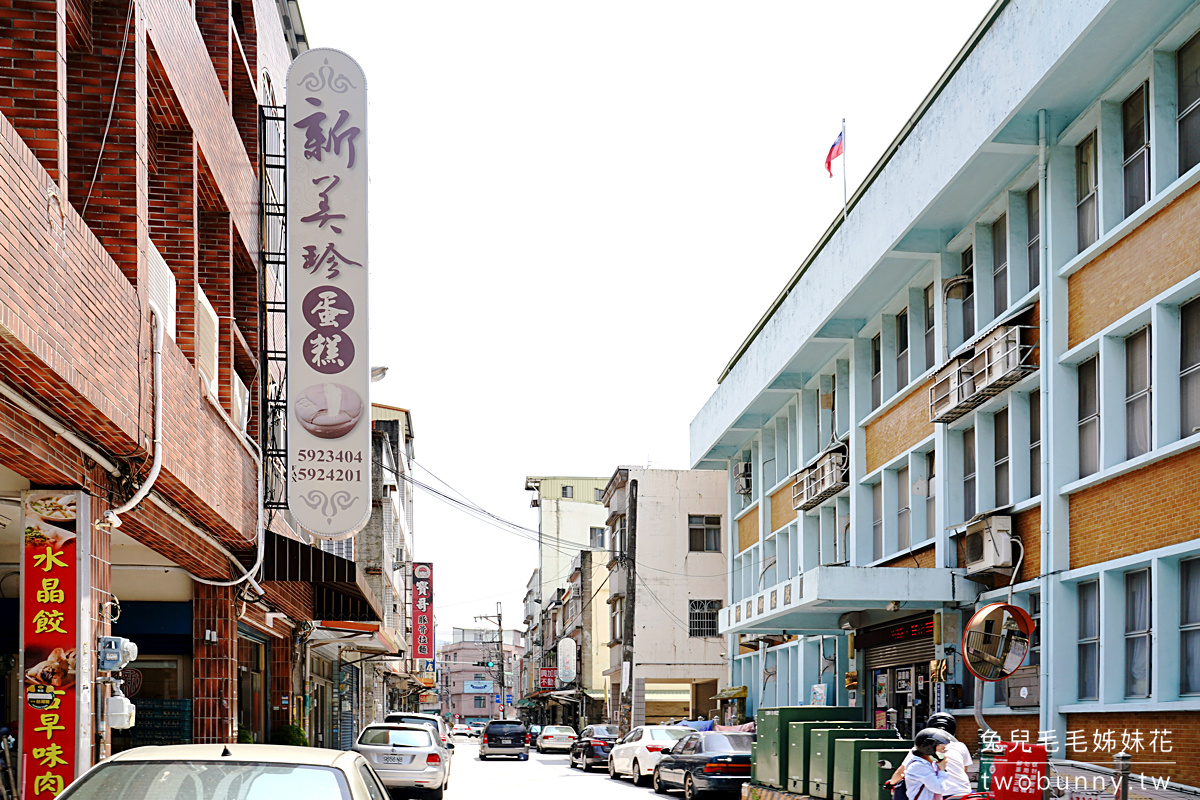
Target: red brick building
column 130, row 173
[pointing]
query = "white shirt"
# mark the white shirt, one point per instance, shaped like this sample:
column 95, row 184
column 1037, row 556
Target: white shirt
column 920, row 773
column 958, row 758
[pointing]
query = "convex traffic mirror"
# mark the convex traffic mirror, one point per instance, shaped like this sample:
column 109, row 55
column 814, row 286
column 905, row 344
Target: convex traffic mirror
column 996, row 641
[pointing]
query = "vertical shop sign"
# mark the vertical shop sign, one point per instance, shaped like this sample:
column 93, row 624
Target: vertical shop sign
column 329, row 373
column 422, row 605
column 50, row 643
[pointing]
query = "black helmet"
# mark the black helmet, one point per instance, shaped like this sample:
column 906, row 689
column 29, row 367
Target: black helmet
column 942, row 720
column 926, row 742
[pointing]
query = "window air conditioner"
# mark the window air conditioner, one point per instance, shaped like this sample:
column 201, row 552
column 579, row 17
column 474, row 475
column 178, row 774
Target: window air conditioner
column 241, row 403
column 953, row 383
column 741, row 478
column 207, row 332
column 987, row 546
column 1001, row 351
column 163, row 294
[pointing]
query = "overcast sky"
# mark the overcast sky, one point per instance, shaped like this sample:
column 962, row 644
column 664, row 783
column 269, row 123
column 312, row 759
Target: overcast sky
column 578, row 212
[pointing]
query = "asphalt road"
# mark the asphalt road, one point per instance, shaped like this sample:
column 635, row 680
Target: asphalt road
column 542, row 776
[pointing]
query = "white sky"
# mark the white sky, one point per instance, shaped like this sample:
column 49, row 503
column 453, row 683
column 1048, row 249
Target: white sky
column 579, row 210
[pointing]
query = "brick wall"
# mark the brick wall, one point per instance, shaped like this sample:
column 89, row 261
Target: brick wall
column 214, row 665
column 747, row 528
column 1028, row 527
column 1142, row 510
column 924, row 559
column 30, row 85
column 1004, row 724
column 1160, row 252
column 898, row 430
column 1183, row 740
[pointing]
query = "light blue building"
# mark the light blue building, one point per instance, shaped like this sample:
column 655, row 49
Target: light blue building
column 980, row 383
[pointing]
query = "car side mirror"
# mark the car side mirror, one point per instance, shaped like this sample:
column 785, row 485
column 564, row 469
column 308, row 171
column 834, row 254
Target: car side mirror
column 666, row 751
column 450, row 746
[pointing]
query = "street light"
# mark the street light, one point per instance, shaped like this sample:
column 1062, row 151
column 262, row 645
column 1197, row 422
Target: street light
column 377, row 373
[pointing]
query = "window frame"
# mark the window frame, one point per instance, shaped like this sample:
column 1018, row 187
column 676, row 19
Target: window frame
column 930, row 494
column 968, row 293
column 710, row 532
column 903, row 508
column 1087, row 182
column 1187, row 114
column 1144, row 634
column 597, row 541
column 1188, row 568
column 1141, row 152
column 930, row 298
column 877, row 542
column 876, row 371
column 1088, row 644
column 970, row 461
column 568, row 492
column 1002, row 461
column 1189, row 374
column 1034, row 400
column 902, row 347
column 1135, row 395
column 1033, row 228
column 703, row 617
column 1085, row 418
column 1000, row 266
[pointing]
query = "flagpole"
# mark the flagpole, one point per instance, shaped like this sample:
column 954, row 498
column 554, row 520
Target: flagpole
column 845, row 200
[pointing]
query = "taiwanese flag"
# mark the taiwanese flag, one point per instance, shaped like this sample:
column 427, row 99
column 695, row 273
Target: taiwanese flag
column 834, row 152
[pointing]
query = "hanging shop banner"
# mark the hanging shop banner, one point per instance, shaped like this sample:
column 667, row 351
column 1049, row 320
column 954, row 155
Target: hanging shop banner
column 50, row 643
column 329, row 372
column 567, row 655
column 422, row 605
column 547, row 677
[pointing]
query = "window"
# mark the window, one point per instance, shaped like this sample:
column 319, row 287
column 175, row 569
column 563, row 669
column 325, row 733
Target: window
column 1000, row 443
column 968, row 441
column 968, row 301
column 599, row 495
column 930, row 322
column 568, row 491
column 1089, row 418
column 597, row 538
column 1089, row 641
column 1137, row 393
column 618, row 537
column 877, row 520
column 1035, row 443
column 1000, row 266
column 1137, row 633
column 704, row 533
column 480, row 701
column 1189, row 627
column 618, row 619
column 374, row 790
column 1189, row 368
column 876, row 372
column 1033, row 246
column 1135, row 116
column 902, row 349
column 1035, row 638
column 479, row 677
column 931, row 491
column 702, row 617
column 1188, row 74
column 1086, row 224
column 903, row 500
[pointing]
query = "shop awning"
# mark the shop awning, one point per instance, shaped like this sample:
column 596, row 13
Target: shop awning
column 340, row 590
column 731, row 693
column 524, row 702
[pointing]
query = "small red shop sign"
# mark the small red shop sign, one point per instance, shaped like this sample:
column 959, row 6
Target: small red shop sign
column 49, row 631
column 422, row 605
column 548, row 677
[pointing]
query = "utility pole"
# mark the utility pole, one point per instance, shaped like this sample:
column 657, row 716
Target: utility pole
column 499, row 619
column 630, row 595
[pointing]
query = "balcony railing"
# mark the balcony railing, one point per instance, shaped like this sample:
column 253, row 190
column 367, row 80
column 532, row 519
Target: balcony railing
column 999, row 360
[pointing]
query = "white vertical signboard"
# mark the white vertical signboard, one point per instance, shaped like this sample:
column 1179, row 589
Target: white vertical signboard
column 329, row 374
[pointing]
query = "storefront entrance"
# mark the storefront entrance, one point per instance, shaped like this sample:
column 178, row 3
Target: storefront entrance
column 897, row 657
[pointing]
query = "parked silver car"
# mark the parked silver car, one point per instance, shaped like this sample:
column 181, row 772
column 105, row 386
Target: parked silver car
column 407, row 757
column 433, row 721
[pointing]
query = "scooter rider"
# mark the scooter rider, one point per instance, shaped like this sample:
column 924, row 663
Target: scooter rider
column 957, row 759
column 924, row 777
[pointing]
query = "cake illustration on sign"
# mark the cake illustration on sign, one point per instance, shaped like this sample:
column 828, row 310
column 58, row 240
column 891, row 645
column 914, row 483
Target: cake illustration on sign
column 329, row 410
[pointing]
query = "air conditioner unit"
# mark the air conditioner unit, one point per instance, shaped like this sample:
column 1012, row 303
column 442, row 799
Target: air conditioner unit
column 987, row 546
column 163, row 294
column 1001, row 351
column 952, row 384
column 207, row 333
column 241, row 403
column 742, row 469
column 741, row 476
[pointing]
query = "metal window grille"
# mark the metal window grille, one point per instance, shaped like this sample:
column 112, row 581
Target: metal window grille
column 702, row 617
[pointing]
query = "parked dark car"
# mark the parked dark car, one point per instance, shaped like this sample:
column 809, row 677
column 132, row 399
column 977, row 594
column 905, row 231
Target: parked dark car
column 592, row 746
column 504, row 737
column 711, row 761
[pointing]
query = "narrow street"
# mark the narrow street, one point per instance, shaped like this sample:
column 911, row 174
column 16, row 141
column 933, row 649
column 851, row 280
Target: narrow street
column 541, row 776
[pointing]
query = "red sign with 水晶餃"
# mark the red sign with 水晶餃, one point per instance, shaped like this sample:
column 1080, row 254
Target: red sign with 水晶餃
column 49, row 634
column 1019, row 772
column 422, row 611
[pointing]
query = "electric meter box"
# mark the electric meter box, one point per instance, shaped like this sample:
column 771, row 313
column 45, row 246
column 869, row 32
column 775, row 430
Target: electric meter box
column 120, row 713
column 871, row 776
column 847, row 763
column 771, row 753
column 114, row 653
column 799, row 738
column 820, row 756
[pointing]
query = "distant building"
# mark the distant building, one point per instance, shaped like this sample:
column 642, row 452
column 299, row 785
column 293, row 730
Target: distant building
column 468, row 689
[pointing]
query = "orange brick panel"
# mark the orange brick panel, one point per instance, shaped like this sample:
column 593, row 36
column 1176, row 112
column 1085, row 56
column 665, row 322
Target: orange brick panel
column 1161, row 252
column 1028, row 527
column 1152, row 507
column 1179, row 731
column 782, row 512
column 900, row 428
column 924, row 559
column 748, row 530
column 967, row 731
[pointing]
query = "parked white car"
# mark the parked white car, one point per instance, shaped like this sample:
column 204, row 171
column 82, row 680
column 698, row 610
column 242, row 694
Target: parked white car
column 636, row 754
column 555, row 737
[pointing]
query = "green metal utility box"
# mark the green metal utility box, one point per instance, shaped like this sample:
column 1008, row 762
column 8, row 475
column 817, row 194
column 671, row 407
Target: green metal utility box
column 847, row 763
column 771, row 753
column 799, row 740
column 821, row 755
column 871, row 776
column 753, row 761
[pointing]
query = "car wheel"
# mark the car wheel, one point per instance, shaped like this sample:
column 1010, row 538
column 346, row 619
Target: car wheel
column 539, row 749
column 689, row 789
column 482, row 757
column 638, row 780
column 657, row 784
column 612, row 769
column 435, row 794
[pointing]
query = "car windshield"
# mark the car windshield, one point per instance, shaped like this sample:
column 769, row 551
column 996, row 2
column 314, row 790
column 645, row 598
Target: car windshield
column 207, row 780
column 605, row 730
column 503, row 728
column 727, row 743
column 667, row 734
column 395, row 738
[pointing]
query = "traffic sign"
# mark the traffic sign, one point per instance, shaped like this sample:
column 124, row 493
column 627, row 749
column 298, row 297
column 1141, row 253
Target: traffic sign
column 508, row 698
column 497, row 698
column 501, row 709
